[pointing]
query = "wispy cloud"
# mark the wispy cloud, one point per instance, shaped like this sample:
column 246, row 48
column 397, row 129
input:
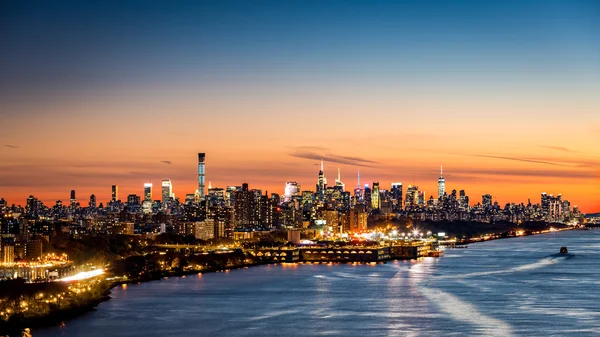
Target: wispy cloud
column 12, row 146
column 525, row 160
column 166, row 162
column 557, row 148
column 317, row 153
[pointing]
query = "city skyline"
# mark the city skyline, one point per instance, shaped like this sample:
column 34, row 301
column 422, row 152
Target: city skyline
column 504, row 95
column 147, row 190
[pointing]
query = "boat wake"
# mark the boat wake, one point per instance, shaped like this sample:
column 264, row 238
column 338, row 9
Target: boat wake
column 526, row 267
column 467, row 313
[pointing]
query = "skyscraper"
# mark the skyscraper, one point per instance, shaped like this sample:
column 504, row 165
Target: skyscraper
column 321, row 183
column 375, row 197
column 201, row 158
column 115, row 193
column 73, row 199
column 339, row 183
column 148, row 192
column 486, row 200
column 291, row 189
column 396, row 193
column 167, row 191
column 411, row 196
column 441, row 185
column 92, row 201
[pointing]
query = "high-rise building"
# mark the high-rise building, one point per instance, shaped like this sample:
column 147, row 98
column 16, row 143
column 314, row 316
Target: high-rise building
column 338, row 182
column 486, row 200
column 441, row 185
column 115, row 193
column 201, row 159
column 411, row 196
column 321, row 182
column 92, row 201
column 396, row 196
column 148, row 192
column 375, row 197
column 73, row 199
column 291, row 189
column 367, row 195
column 167, row 191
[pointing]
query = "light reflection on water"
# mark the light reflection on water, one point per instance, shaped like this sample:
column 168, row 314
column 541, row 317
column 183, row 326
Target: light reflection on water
column 498, row 288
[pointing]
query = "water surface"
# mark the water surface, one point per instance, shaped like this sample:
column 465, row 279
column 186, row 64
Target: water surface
column 512, row 287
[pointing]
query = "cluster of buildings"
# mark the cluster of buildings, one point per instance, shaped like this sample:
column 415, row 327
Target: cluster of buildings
column 330, row 210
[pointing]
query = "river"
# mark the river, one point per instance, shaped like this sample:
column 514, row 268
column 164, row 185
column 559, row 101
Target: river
column 511, row 287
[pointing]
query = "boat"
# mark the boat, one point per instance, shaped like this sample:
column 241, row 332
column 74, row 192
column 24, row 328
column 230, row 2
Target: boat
column 564, row 250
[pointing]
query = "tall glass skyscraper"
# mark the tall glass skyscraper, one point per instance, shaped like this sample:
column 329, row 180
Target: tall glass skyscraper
column 148, row 192
column 167, row 191
column 441, row 185
column 201, row 158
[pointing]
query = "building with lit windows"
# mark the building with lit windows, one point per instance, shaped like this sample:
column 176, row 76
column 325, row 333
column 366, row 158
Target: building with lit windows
column 148, row 192
column 375, row 196
column 201, row 172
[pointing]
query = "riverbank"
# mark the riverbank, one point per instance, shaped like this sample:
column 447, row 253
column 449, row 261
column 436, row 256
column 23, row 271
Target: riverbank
column 60, row 316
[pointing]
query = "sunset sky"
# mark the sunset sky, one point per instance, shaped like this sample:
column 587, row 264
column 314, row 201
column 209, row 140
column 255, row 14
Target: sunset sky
column 505, row 95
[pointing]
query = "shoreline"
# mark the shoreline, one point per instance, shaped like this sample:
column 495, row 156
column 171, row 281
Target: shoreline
column 56, row 318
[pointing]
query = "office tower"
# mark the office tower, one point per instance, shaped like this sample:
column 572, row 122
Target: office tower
column 358, row 220
column 92, row 201
column 441, row 185
column 338, row 182
column 148, row 192
column 73, row 199
column 291, row 189
column 375, row 197
column 421, row 198
column 201, row 158
column 321, row 183
column 115, row 193
column 167, row 191
column 367, row 196
column 486, row 200
column 216, row 197
column 411, row 196
column 545, row 205
column 396, row 194
column 463, row 200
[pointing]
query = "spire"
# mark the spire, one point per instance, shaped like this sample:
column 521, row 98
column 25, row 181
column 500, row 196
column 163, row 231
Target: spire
column 441, row 171
column 339, row 175
column 321, row 165
column 358, row 178
column 209, row 185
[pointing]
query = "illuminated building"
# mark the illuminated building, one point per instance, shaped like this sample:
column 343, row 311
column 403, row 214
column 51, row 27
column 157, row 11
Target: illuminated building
column 358, row 220
column 148, row 192
column 204, row 230
column 486, row 201
column 441, row 185
column 367, row 195
column 411, row 196
column 133, row 200
column 8, row 254
column 167, row 192
column 321, row 182
column 291, row 189
column 421, row 198
column 73, row 199
column 332, row 221
column 339, row 183
column 92, row 201
column 115, row 193
column 375, row 197
column 201, row 159
column 396, row 195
